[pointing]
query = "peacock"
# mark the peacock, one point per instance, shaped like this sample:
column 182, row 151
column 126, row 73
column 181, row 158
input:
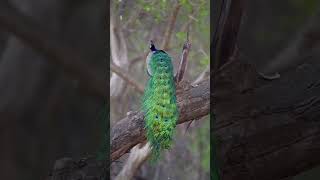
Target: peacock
column 159, row 102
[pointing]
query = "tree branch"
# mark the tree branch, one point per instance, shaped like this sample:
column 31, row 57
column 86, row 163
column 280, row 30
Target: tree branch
column 263, row 122
column 193, row 103
column 137, row 156
column 171, row 23
column 183, row 61
column 114, row 68
column 205, row 74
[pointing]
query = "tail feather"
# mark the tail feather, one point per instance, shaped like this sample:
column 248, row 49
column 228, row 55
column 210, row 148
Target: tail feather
column 159, row 104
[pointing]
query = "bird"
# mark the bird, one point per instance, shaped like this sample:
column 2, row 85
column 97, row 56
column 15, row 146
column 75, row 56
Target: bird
column 159, row 102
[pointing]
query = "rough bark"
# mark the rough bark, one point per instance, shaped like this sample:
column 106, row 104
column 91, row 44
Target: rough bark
column 267, row 130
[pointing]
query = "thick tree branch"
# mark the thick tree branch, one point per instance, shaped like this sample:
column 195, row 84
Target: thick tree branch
column 46, row 42
column 193, row 103
column 262, row 122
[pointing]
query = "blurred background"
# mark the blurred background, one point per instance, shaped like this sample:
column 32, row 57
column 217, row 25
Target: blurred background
column 132, row 25
column 268, row 27
column 270, row 32
column 45, row 114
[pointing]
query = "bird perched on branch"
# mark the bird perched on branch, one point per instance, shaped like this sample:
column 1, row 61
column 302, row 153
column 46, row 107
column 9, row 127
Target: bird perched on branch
column 159, row 101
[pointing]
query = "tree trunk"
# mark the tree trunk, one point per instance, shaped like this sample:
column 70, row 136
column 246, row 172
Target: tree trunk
column 267, row 129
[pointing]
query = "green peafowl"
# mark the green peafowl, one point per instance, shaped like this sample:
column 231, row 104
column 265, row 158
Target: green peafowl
column 159, row 102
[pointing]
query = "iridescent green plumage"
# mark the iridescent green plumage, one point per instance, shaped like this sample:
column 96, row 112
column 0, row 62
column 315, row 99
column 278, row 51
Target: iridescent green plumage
column 159, row 102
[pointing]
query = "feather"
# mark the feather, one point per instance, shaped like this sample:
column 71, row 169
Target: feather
column 159, row 102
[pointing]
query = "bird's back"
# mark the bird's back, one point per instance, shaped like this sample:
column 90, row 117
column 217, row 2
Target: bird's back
column 159, row 105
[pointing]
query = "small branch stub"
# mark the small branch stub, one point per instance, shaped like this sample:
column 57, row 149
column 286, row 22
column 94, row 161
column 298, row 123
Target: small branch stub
column 183, row 61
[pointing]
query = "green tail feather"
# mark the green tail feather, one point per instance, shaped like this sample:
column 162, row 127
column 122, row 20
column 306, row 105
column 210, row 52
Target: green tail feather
column 159, row 104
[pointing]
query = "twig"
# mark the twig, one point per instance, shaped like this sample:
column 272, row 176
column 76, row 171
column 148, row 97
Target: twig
column 172, row 21
column 114, row 68
column 139, row 58
column 193, row 13
column 202, row 76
